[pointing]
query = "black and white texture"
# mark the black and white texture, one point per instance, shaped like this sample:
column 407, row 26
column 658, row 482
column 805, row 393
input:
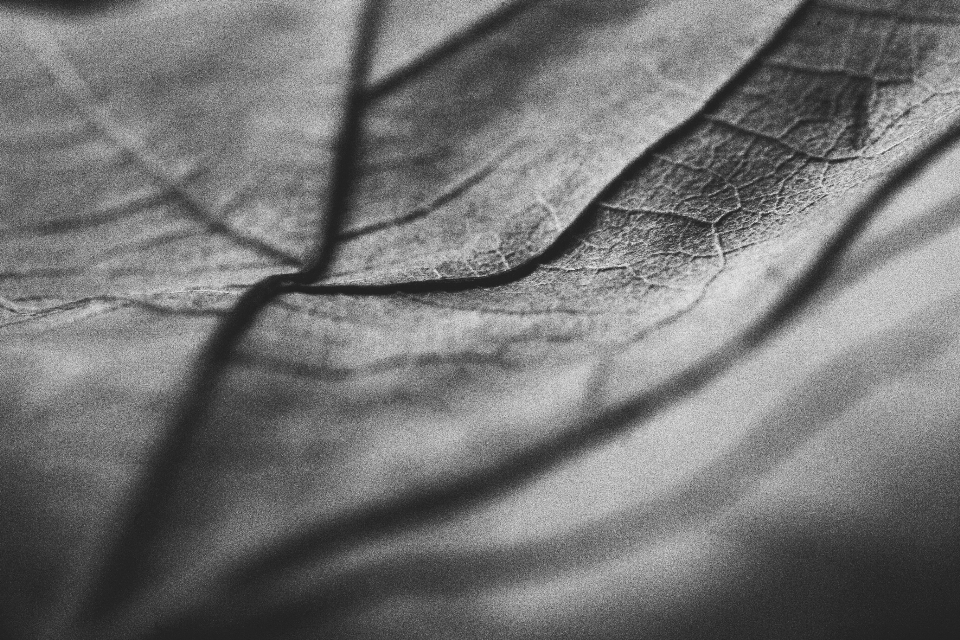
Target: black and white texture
column 630, row 319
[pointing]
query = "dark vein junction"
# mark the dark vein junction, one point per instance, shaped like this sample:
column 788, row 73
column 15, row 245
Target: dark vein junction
column 151, row 502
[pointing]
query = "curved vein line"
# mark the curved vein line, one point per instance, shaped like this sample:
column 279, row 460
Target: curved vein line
column 457, row 188
column 116, row 579
column 277, row 557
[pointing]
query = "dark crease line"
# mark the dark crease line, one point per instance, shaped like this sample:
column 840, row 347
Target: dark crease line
column 149, row 505
column 453, row 191
column 489, row 23
column 417, row 507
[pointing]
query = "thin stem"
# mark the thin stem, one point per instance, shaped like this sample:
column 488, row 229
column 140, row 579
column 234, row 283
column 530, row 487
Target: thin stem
column 278, row 557
column 461, row 40
column 152, row 501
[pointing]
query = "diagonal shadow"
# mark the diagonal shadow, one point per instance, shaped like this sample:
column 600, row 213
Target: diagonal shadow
column 829, row 393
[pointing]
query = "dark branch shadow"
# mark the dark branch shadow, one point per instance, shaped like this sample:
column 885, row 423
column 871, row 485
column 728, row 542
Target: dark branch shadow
column 828, row 394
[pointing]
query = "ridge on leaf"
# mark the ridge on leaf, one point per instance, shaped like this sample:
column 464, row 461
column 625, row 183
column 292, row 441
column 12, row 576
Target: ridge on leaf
column 356, row 400
column 207, row 158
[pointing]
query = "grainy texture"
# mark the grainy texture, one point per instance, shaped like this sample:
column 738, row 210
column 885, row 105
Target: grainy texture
column 810, row 492
column 190, row 147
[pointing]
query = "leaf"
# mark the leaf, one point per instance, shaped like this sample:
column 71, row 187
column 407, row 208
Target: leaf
column 353, row 474
column 211, row 162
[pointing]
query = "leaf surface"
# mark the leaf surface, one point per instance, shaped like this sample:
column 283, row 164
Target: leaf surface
column 201, row 161
column 413, row 371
